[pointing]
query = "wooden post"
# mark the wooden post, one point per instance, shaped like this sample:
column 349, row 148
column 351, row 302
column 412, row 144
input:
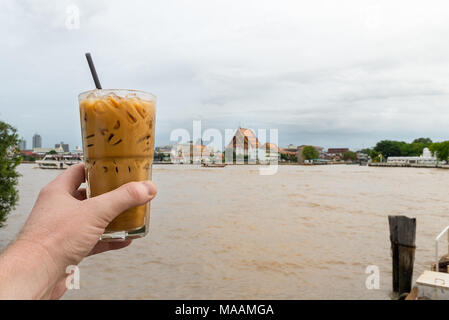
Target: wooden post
column 402, row 237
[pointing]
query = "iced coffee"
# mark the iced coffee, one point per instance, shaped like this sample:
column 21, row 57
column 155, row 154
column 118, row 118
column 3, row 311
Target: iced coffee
column 118, row 143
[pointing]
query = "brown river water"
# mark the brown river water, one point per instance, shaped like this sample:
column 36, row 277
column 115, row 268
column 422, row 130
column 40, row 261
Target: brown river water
column 307, row 232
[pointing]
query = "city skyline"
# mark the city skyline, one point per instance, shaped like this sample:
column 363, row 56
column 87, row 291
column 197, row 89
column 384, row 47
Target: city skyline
column 72, row 147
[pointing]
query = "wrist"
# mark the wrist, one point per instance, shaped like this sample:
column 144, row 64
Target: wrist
column 27, row 271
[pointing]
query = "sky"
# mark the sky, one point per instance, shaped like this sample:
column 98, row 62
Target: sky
column 329, row 73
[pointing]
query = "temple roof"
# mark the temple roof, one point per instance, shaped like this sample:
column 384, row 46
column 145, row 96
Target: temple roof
column 244, row 138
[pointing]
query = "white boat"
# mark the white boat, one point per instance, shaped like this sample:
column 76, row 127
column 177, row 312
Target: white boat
column 58, row 161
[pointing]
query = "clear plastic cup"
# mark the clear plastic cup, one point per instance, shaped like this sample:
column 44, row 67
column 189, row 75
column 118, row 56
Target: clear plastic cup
column 117, row 127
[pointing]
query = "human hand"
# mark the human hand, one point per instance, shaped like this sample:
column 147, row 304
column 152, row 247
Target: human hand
column 62, row 229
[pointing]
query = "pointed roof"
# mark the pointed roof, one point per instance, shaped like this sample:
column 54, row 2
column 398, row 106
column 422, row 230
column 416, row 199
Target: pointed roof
column 245, row 138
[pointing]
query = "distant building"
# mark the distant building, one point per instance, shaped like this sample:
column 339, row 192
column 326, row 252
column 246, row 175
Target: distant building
column 269, row 153
column 27, row 153
column 37, row 141
column 337, row 151
column 22, row 144
column 425, row 158
column 300, row 157
column 289, row 152
column 291, row 149
column 59, row 149
column 78, row 150
column 64, row 146
column 186, row 153
column 362, row 157
column 164, row 153
column 243, row 143
column 42, row 151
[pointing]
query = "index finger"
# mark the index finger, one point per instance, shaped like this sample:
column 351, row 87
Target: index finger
column 71, row 178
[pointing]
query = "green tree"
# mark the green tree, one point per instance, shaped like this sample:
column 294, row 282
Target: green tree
column 426, row 141
column 415, row 148
column 389, row 148
column 374, row 155
column 28, row 158
column 440, row 150
column 159, row 156
column 288, row 157
column 349, row 156
column 9, row 160
column 52, row 152
column 310, row 153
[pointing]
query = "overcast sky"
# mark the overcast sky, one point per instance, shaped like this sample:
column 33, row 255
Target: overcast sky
column 329, row 73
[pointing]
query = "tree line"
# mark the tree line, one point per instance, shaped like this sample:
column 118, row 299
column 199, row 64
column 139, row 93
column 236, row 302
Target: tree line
column 392, row 148
column 9, row 160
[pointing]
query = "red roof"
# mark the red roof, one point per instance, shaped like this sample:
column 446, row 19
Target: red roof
column 27, row 152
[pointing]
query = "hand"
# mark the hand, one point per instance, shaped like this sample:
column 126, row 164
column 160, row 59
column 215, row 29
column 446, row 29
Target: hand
column 62, row 229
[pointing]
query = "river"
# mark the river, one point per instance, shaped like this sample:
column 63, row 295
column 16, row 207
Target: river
column 307, row 232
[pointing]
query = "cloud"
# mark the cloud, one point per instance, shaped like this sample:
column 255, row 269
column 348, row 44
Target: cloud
column 322, row 72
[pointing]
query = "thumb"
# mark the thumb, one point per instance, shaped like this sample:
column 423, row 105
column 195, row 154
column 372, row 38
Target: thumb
column 130, row 195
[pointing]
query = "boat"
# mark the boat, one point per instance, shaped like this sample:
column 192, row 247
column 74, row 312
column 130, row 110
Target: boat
column 58, row 161
column 213, row 165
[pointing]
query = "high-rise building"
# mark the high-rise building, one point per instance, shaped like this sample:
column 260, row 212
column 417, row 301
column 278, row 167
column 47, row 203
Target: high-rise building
column 64, row 146
column 37, row 141
column 22, row 144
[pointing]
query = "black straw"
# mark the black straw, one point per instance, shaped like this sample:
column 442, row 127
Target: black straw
column 93, row 71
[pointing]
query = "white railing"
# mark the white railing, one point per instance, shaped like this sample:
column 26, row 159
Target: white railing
column 437, row 259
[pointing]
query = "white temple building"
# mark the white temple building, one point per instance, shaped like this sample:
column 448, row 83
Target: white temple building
column 425, row 158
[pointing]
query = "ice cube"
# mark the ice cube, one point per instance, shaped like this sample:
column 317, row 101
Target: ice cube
column 113, row 95
column 92, row 95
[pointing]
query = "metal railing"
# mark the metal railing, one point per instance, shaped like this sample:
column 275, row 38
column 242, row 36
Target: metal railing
column 437, row 259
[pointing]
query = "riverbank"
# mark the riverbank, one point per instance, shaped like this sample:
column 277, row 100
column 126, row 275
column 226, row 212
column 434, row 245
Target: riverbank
column 408, row 165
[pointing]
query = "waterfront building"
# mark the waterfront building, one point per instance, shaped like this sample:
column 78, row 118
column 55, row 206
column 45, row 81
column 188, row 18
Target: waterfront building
column 63, row 146
column 269, row 152
column 28, row 153
column 37, row 141
column 188, row 153
column 185, row 153
column 425, row 158
column 334, row 154
column 164, row 153
column 363, row 157
column 59, row 149
column 289, row 152
column 78, row 150
column 43, row 151
column 244, row 143
column 337, row 151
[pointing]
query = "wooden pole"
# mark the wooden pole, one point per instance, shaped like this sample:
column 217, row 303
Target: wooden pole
column 402, row 237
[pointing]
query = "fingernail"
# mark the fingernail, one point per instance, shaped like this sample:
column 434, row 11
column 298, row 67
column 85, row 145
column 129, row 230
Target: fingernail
column 151, row 187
